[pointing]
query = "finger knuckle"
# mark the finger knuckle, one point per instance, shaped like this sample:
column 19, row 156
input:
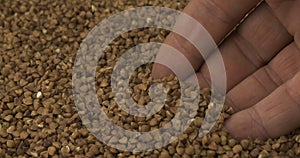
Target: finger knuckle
column 258, row 123
column 293, row 89
column 212, row 7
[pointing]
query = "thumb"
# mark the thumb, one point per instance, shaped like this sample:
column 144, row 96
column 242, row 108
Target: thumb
column 276, row 115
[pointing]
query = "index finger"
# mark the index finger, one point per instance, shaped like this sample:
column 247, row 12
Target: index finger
column 218, row 17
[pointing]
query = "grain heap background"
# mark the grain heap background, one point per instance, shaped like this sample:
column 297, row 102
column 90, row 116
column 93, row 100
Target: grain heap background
column 38, row 118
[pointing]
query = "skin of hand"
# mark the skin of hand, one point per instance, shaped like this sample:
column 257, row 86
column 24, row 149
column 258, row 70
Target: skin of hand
column 262, row 62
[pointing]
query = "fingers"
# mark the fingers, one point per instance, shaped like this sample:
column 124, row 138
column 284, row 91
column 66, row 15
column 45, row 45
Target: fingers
column 260, row 84
column 218, row 17
column 275, row 115
column 288, row 13
column 253, row 45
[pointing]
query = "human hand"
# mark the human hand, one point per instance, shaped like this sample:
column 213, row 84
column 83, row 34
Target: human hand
column 262, row 62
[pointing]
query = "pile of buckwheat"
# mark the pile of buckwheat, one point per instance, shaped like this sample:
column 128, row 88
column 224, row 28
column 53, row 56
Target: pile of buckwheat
column 38, row 118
